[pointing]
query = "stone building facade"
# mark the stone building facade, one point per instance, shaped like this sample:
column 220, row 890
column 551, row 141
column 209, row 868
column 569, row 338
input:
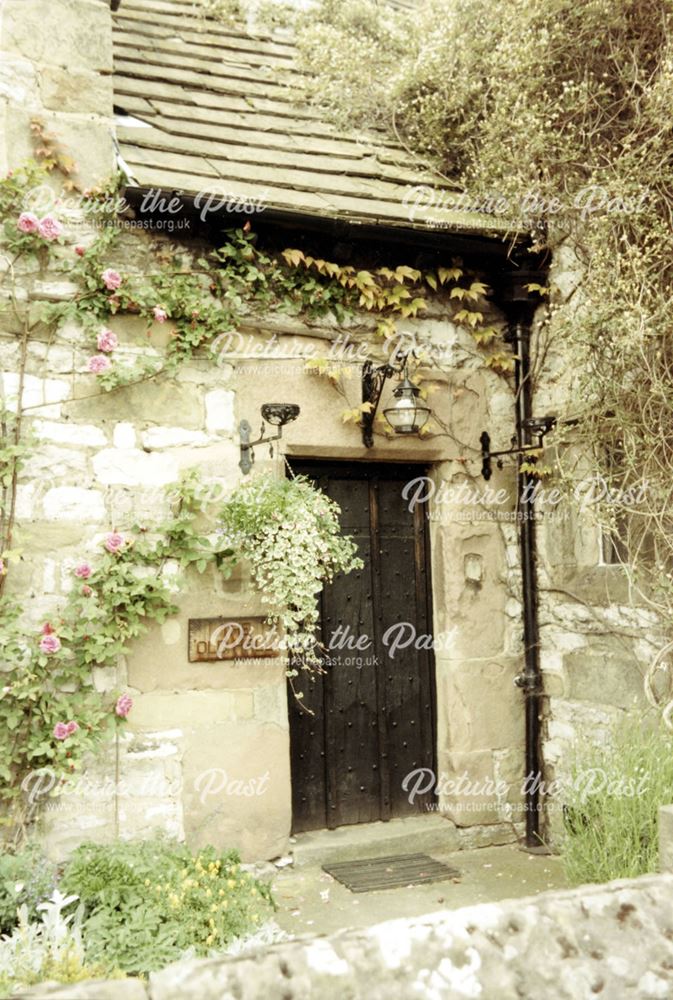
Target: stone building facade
column 206, row 755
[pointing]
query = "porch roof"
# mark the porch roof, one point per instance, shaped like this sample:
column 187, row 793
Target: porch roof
column 224, row 112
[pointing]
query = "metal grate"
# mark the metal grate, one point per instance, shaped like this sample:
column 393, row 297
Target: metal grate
column 372, row 874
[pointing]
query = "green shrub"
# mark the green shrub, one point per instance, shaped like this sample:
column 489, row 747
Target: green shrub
column 612, row 802
column 147, row 903
column 27, row 878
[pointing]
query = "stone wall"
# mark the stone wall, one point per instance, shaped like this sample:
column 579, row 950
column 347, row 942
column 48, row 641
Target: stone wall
column 104, row 460
column 201, row 734
column 597, row 638
column 613, row 940
column 56, row 63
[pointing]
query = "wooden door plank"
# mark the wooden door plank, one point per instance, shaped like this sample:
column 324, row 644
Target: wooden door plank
column 379, row 670
column 352, row 739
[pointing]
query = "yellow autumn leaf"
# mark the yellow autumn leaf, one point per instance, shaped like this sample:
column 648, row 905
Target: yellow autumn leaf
column 404, row 271
column 449, row 274
column 293, row 257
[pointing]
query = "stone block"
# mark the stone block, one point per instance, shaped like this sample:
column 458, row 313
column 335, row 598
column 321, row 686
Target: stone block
column 159, row 660
column 237, row 789
column 54, row 290
column 271, row 703
column 133, row 467
column 144, row 819
column 37, row 392
column 52, row 358
column 173, row 437
column 469, row 791
column 124, row 436
column 604, row 678
column 45, row 536
column 129, row 505
column 52, row 34
column 189, row 710
column 479, row 706
column 51, row 462
column 68, row 90
column 72, row 503
column 25, row 500
column 220, row 411
column 155, row 402
column 463, row 605
column 204, row 372
column 63, row 432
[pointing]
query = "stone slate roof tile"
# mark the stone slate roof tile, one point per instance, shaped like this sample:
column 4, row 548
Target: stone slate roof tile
column 226, row 113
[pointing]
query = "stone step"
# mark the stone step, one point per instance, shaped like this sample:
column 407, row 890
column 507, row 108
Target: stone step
column 413, row 834
column 371, row 840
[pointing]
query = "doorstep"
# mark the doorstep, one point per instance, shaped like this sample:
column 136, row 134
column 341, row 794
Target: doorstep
column 413, row 834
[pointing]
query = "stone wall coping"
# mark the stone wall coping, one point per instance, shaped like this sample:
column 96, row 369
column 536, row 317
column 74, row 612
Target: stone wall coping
column 613, row 940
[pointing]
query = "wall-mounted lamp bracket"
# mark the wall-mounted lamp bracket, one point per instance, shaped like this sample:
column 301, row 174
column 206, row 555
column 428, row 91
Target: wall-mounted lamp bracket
column 373, row 380
column 540, row 426
column 276, row 414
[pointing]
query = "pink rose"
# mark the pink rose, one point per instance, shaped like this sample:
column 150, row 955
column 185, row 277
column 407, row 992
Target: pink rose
column 114, row 542
column 28, row 223
column 86, row 591
column 98, row 363
column 124, row 705
column 83, row 571
column 61, row 731
column 107, row 341
column 80, row 250
column 2, row 567
column 47, row 628
column 72, row 727
column 50, row 643
column 49, row 228
column 160, row 314
column 111, row 279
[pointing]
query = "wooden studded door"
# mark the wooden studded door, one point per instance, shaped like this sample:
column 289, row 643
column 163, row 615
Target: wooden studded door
column 373, row 717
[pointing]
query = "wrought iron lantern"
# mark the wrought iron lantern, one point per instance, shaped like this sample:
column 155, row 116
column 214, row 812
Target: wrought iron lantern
column 407, row 415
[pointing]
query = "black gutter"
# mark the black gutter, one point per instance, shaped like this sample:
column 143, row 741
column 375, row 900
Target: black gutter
column 520, row 309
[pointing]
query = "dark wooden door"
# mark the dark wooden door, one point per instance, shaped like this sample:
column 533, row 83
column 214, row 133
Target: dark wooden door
column 373, row 717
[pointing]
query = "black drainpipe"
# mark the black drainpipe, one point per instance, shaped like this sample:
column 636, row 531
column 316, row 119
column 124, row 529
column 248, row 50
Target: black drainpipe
column 520, row 310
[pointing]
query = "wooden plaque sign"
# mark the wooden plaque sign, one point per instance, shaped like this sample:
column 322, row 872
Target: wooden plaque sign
column 212, row 639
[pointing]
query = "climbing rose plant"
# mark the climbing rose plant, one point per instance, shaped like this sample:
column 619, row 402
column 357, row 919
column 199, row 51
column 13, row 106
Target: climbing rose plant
column 51, row 714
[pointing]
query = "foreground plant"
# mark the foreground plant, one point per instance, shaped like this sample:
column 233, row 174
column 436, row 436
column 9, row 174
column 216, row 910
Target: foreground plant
column 150, row 903
column 611, row 803
column 27, row 878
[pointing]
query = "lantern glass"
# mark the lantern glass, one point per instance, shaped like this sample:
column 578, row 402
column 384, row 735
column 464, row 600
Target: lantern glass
column 408, row 414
